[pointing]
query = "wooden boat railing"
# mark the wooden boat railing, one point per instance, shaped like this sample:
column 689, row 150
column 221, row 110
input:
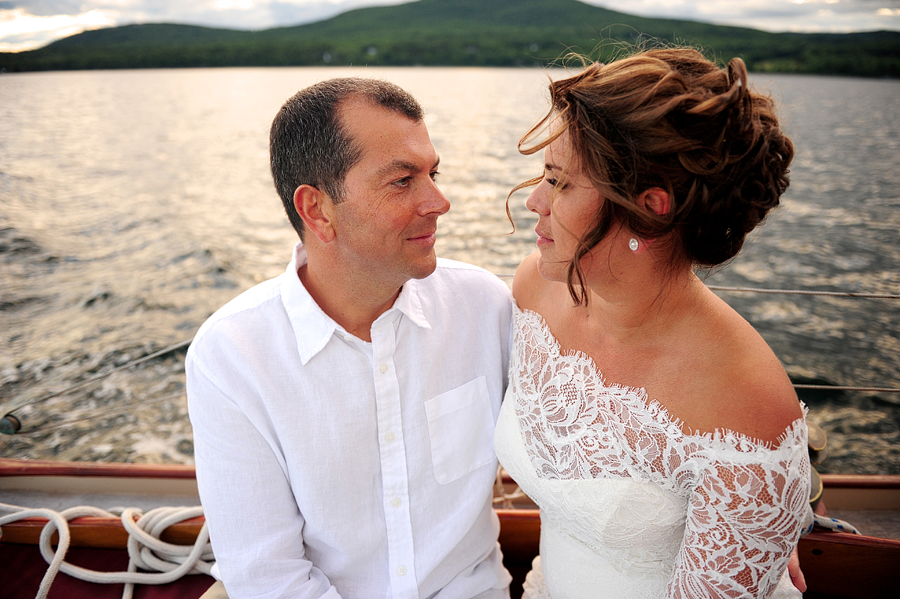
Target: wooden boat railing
column 835, row 564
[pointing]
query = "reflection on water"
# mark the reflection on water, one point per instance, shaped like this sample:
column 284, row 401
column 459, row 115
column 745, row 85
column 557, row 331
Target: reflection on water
column 134, row 203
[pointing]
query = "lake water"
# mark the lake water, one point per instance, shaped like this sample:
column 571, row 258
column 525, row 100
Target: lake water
column 135, row 203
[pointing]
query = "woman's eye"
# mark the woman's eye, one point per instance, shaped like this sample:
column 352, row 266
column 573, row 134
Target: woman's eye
column 434, row 175
column 554, row 183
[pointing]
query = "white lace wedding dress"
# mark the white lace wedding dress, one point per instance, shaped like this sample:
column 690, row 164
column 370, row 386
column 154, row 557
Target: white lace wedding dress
column 631, row 506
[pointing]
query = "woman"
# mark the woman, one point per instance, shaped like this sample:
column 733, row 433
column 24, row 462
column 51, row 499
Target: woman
column 654, row 427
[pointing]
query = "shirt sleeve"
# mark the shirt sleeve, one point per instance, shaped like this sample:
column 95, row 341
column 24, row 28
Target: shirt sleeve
column 744, row 519
column 256, row 528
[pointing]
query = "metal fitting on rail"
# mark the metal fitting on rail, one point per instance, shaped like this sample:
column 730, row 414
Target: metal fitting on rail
column 10, row 425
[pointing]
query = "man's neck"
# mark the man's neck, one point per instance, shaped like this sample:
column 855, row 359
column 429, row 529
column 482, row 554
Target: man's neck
column 355, row 307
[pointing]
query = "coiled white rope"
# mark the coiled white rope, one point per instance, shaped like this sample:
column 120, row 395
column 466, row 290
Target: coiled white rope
column 166, row 562
column 502, row 498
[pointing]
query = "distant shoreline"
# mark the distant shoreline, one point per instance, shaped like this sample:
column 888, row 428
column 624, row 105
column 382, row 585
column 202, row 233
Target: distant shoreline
column 459, row 33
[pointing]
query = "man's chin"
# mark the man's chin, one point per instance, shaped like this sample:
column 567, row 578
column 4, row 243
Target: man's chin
column 425, row 269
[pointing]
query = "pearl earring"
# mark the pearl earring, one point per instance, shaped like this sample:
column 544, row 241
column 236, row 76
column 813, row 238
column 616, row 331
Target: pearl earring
column 633, row 244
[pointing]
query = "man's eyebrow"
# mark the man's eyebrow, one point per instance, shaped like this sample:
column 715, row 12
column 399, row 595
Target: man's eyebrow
column 400, row 166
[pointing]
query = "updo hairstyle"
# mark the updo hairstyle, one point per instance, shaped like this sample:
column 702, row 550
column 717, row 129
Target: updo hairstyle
column 670, row 118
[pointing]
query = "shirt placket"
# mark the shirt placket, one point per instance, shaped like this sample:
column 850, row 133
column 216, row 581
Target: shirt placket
column 392, row 449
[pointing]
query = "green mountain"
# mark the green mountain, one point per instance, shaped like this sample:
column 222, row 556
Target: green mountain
column 458, row 33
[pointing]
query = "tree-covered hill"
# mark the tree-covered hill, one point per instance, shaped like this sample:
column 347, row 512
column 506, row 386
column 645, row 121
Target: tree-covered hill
column 457, row 33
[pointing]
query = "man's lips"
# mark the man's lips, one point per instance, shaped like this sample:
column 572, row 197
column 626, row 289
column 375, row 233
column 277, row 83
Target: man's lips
column 424, row 238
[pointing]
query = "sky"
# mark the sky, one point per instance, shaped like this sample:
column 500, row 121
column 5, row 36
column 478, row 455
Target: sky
column 30, row 24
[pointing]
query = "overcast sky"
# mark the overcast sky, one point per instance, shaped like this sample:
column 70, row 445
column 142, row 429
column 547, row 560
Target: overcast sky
column 28, row 24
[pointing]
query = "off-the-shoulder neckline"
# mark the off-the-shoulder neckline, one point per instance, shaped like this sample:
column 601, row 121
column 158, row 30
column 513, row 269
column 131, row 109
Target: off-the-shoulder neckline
column 660, row 412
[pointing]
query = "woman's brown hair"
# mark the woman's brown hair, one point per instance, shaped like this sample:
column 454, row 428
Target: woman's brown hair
column 672, row 119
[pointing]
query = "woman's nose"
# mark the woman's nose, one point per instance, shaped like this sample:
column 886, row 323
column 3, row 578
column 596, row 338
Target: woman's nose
column 538, row 202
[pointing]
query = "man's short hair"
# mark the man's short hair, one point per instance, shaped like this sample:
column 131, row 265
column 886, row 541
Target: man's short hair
column 308, row 144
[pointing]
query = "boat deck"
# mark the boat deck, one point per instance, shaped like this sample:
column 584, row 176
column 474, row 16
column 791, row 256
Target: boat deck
column 835, row 564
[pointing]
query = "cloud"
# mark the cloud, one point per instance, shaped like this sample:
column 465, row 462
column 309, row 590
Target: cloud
column 30, row 24
column 771, row 15
column 22, row 31
column 234, row 14
column 49, row 8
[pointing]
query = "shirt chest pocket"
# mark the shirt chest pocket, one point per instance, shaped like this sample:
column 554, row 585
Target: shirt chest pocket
column 461, row 428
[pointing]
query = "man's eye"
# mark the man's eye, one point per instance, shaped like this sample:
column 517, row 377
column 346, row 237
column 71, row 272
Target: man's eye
column 434, row 175
column 404, row 182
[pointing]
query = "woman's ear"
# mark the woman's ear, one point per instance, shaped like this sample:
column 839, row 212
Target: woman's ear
column 314, row 207
column 656, row 200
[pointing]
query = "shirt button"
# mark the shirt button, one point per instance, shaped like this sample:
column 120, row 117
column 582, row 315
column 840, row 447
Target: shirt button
column 401, row 571
column 396, row 502
column 383, row 368
column 390, row 437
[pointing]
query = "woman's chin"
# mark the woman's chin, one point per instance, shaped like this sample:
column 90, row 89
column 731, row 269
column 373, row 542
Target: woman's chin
column 552, row 270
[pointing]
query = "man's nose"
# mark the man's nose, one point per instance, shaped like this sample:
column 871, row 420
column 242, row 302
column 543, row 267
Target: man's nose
column 435, row 201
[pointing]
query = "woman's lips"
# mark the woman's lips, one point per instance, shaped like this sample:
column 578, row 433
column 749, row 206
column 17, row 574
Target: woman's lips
column 542, row 238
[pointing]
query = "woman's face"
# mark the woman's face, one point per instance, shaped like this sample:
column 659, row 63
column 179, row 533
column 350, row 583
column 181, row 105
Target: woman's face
column 567, row 206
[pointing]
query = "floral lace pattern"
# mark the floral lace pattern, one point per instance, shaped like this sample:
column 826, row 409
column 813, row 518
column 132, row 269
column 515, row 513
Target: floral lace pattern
column 742, row 503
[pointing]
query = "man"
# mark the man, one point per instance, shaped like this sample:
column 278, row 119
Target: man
column 343, row 412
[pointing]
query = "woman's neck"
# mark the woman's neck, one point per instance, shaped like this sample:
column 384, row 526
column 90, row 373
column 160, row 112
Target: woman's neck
column 644, row 307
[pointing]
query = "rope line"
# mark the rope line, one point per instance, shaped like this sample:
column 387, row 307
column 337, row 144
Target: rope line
column 855, row 294
column 839, row 388
column 501, row 497
column 802, row 292
column 129, row 407
column 101, row 414
column 98, row 377
column 13, row 406
column 164, row 562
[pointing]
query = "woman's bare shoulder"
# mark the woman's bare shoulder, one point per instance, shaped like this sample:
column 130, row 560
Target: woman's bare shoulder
column 529, row 288
column 747, row 382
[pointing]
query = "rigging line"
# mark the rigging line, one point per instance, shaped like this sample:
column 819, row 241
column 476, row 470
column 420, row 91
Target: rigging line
column 16, row 405
column 803, row 292
column 177, row 346
column 838, row 388
column 100, row 414
column 784, row 291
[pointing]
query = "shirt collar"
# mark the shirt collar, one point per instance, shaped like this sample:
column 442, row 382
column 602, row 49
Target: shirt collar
column 409, row 302
column 313, row 328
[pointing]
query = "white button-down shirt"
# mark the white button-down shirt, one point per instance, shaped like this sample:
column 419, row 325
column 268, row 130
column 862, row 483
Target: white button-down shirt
column 333, row 467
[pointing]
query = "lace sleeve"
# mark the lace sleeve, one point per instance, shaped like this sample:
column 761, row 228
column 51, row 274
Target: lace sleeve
column 744, row 519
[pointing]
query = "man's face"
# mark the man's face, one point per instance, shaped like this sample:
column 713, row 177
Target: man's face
column 386, row 224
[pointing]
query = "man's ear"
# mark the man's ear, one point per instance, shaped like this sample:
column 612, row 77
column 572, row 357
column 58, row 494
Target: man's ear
column 656, row 200
column 315, row 208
